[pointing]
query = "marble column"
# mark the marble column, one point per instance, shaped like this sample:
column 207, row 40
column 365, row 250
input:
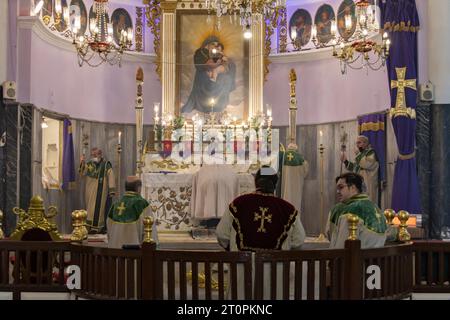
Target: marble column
column 16, row 185
column 438, row 66
column 168, row 57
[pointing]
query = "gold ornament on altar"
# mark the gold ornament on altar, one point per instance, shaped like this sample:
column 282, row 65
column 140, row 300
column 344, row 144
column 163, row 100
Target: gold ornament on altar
column 353, row 226
column 79, row 232
column 35, row 218
column 148, row 225
column 403, row 234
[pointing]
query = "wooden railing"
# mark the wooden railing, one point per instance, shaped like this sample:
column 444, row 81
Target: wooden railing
column 148, row 273
column 108, row 273
column 33, row 266
column 299, row 275
column 431, row 266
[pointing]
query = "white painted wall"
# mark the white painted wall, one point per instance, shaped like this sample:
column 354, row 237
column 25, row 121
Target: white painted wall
column 3, row 39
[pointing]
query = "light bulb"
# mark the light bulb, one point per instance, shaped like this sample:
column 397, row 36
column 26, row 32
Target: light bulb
column 247, row 32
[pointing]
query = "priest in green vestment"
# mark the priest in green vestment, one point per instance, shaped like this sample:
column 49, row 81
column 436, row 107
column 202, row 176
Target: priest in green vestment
column 125, row 218
column 372, row 223
column 366, row 164
column 100, row 188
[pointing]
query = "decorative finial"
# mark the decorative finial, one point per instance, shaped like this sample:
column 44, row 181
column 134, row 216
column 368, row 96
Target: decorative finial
column 79, row 232
column 35, row 218
column 390, row 215
column 403, row 234
column 140, row 75
column 353, row 226
column 148, row 224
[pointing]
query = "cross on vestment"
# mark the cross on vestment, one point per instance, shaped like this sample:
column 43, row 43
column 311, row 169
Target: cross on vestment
column 263, row 217
column 290, row 156
column 401, row 84
column 121, row 208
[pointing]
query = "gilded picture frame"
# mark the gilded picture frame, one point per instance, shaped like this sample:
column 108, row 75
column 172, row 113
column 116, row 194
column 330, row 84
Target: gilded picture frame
column 212, row 66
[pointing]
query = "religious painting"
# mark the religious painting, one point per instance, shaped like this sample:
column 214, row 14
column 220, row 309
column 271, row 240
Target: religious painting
column 46, row 11
column 212, row 67
column 92, row 19
column 121, row 21
column 323, row 20
column 301, row 22
column 78, row 16
column 62, row 19
column 346, row 21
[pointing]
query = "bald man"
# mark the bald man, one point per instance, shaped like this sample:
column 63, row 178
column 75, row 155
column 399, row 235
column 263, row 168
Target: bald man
column 125, row 226
column 366, row 164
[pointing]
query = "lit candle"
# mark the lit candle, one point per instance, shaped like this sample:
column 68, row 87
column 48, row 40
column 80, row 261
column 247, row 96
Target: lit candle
column 314, row 31
column 120, row 136
column 348, row 22
column 321, row 135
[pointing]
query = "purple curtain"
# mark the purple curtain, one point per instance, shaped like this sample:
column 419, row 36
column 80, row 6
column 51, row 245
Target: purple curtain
column 373, row 127
column 400, row 20
column 68, row 172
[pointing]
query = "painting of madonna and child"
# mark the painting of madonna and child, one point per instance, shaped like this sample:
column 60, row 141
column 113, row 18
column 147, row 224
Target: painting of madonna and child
column 212, row 67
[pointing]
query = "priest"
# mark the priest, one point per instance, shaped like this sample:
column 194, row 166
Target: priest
column 125, row 225
column 372, row 223
column 100, row 188
column 366, row 164
column 260, row 220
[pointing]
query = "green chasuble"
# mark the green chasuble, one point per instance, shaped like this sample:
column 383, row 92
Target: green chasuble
column 355, row 166
column 128, row 209
column 361, row 206
column 99, row 184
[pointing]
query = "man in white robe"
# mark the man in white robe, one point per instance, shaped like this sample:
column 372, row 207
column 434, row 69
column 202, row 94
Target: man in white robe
column 366, row 164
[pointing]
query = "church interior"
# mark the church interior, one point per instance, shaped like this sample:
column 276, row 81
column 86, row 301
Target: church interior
column 192, row 98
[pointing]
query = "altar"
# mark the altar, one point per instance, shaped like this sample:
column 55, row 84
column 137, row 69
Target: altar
column 169, row 195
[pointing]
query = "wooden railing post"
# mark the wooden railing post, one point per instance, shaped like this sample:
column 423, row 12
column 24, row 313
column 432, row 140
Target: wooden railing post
column 148, row 271
column 353, row 267
column 353, row 262
column 148, row 248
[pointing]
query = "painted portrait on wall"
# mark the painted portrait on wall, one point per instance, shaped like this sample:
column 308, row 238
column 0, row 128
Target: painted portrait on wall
column 346, row 14
column 61, row 21
column 212, row 66
column 302, row 22
column 46, row 11
column 121, row 20
column 324, row 17
column 92, row 18
column 78, row 12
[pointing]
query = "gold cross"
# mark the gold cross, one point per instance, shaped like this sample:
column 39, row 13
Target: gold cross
column 401, row 83
column 290, row 156
column 121, row 208
column 263, row 217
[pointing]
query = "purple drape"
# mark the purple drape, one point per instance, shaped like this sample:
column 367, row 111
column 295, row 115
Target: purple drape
column 373, row 127
column 400, row 19
column 68, row 165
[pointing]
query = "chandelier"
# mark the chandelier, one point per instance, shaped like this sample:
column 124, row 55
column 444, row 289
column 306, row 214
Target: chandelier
column 245, row 10
column 99, row 46
column 352, row 45
column 358, row 52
